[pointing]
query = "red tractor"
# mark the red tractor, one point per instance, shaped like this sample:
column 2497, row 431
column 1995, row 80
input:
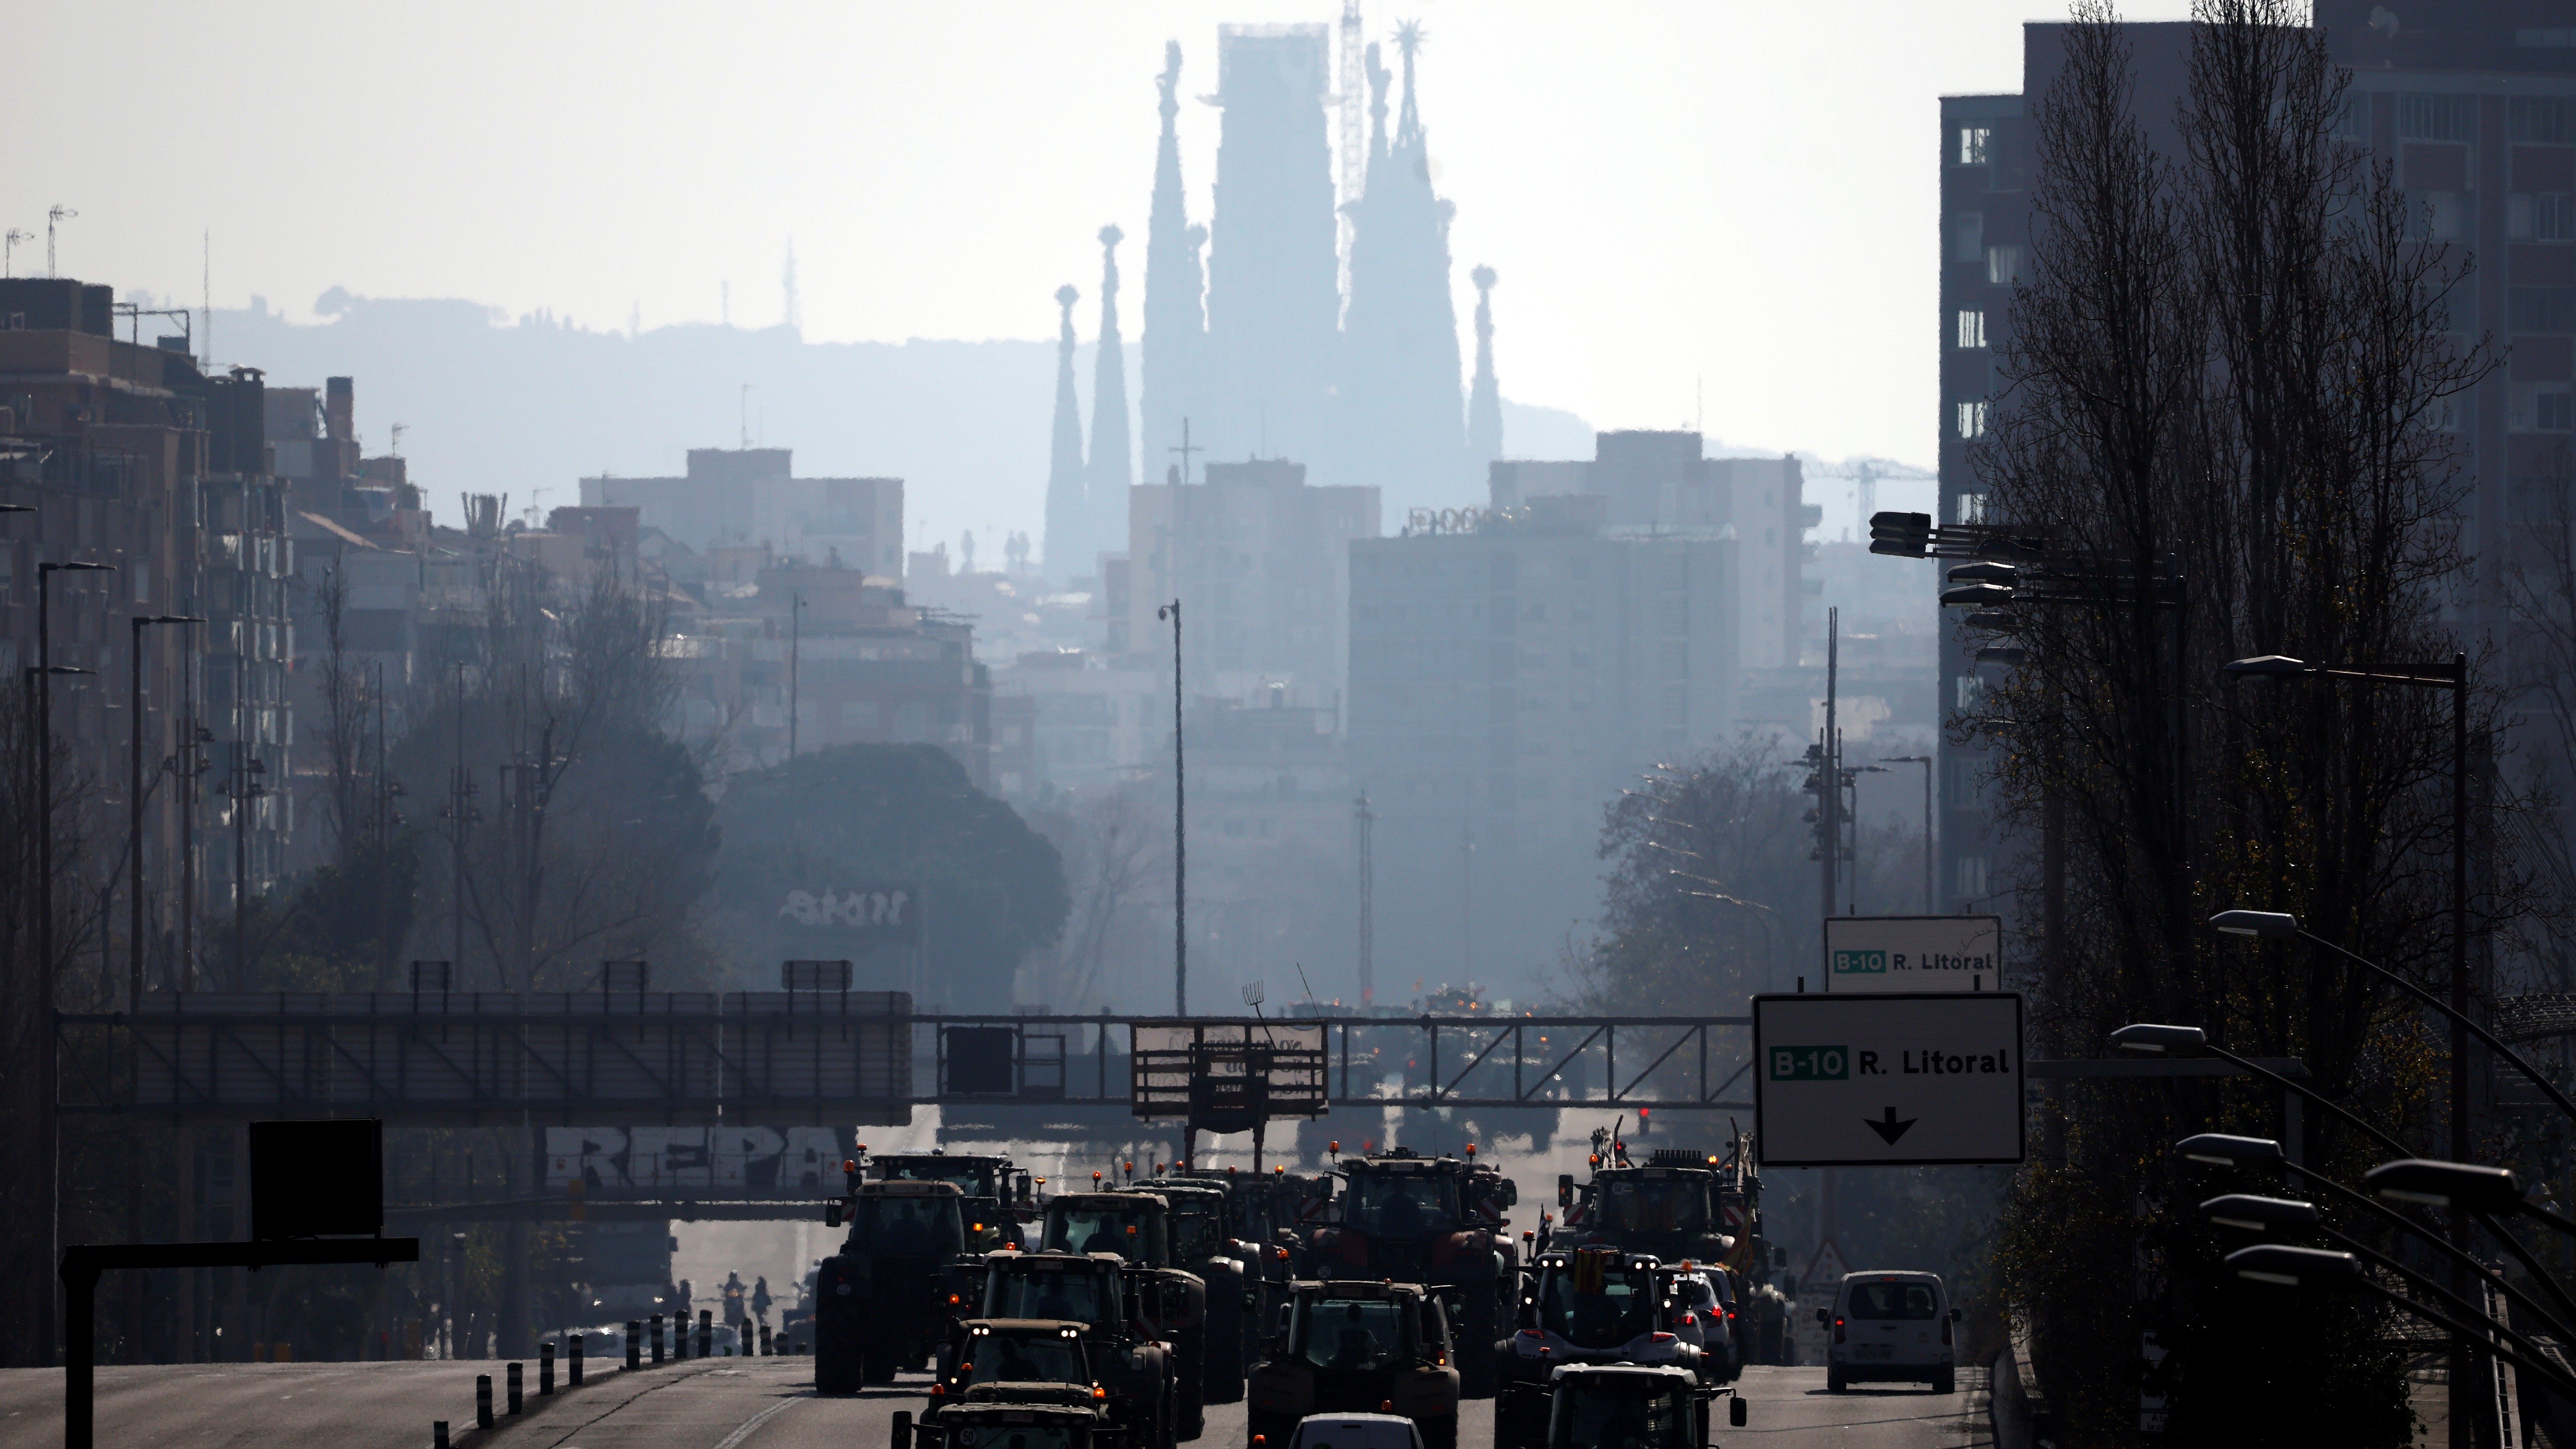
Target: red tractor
column 1437, row 1221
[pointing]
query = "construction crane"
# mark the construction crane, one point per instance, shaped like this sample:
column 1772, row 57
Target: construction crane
column 1867, row 473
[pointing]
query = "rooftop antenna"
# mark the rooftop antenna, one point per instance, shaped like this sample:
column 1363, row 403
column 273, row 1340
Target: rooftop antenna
column 398, row 430
column 54, row 214
column 744, row 422
column 1185, row 450
column 206, row 281
column 9, row 249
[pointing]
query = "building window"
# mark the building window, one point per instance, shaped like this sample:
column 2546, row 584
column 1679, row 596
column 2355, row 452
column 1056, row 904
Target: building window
column 1970, row 689
column 2543, row 120
column 1974, row 142
column 2540, row 216
column 1968, row 236
column 1972, row 329
column 2540, row 309
column 2003, row 266
column 2352, row 123
column 1968, row 508
column 2542, row 407
column 1972, row 419
column 2441, row 215
column 2437, row 118
column 1972, row 877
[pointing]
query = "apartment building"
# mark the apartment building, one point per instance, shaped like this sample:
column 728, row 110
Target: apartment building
column 2474, row 103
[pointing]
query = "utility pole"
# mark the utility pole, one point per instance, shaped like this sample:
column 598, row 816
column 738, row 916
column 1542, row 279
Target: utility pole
column 1467, row 897
column 1826, row 756
column 1180, row 814
column 134, row 808
column 795, row 643
column 1368, row 899
column 1185, row 450
column 1929, row 864
column 460, row 813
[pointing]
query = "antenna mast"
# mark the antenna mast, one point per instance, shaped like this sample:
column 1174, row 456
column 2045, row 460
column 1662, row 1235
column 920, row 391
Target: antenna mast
column 57, row 213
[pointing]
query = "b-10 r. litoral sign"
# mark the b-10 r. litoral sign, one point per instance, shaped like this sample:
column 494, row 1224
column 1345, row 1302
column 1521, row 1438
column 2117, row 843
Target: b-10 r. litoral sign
column 1889, row 1079
column 1914, row 953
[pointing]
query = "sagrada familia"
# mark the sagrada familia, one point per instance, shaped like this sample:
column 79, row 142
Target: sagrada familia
column 1252, row 347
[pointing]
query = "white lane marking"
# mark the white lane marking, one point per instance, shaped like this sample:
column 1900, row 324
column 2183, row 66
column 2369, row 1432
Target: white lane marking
column 734, row 1439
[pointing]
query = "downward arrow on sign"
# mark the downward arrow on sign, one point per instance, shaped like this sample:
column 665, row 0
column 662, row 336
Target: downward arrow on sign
column 1891, row 1129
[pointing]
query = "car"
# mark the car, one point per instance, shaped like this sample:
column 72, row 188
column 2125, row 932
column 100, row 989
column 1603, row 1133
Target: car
column 1891, row 1326
column 1696, row 1308
column 1355, row 1431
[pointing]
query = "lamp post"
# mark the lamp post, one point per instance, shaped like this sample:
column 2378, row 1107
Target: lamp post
column 2283, row 667
column 1180, row 830
column 2279, row 925
column 1929, row 893
column 41, row 682
column 134, row 808
column 2218, row 1149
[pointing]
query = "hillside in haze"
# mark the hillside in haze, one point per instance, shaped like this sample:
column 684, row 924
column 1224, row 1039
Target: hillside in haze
column 493, row 405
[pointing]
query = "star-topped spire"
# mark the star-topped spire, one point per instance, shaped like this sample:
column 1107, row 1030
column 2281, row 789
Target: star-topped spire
column 1175, row 316
column 1409, row 37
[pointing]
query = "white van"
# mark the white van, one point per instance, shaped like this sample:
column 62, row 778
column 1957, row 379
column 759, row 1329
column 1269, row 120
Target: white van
column 1891, row 1326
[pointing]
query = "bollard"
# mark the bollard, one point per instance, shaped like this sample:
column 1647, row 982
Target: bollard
column 574, row 1376
column 902, row 1429
column 706, row 1333
column 438, row 1434
column 515, row 1385
column 634, row 1343
column 545, row 1370
column 657, row 1340
column 680, row 1337
column 767, row 1348
column 483, row 1401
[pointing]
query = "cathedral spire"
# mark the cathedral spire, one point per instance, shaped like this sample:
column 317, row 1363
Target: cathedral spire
column 1398, row 402
column 1066, row 548
column 1484, row 398
column 1175, row 317
column 1378, row 77
column 1408, row 126
column 1113, row 465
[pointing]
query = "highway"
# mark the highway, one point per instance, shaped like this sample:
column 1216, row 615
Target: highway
column 753, row 1404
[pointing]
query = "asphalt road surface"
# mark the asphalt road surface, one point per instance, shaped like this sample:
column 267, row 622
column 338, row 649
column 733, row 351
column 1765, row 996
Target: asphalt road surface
column 755, row 1404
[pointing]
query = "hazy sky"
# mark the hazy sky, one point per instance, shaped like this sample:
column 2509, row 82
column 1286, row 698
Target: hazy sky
column 1717, row 200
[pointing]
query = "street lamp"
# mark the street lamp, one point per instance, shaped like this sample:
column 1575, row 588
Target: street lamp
column 1180, row 829
column 2280, row 925
column 2190, row 1041
column 2282, row 666
column 134, row 806
column 41, row 683
column 2288, row 1266
column 2221, row 1150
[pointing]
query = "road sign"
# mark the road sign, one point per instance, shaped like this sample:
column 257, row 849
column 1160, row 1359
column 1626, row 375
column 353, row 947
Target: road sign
column 1888, row 1079
column 1914, row 953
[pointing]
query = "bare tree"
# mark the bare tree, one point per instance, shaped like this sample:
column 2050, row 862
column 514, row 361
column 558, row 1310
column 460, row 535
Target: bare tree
column 1112, row 846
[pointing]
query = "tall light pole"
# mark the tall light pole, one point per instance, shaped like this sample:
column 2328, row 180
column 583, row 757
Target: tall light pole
column 1180, row 830
column 2456, row 680
column 134, row 808
column 1930, row 866
column 42, row 681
